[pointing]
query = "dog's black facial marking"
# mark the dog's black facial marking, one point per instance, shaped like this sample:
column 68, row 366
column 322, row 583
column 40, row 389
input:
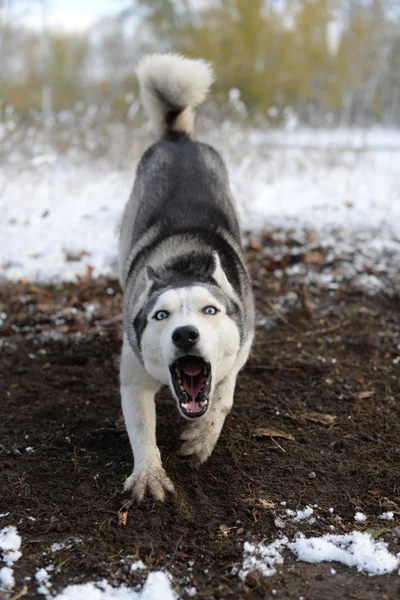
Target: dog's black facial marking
column 140, row 321
column 191, row 378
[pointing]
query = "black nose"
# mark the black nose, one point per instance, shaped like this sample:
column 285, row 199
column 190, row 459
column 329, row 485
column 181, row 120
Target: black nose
column 185, row 337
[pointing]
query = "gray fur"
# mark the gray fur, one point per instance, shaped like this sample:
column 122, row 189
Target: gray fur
column 186, row 184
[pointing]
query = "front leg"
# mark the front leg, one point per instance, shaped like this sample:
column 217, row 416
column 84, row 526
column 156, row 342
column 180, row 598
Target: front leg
column 138, row 389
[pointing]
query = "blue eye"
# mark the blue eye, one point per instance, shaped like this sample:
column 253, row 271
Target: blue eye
column 210, row 310
column 161, row 315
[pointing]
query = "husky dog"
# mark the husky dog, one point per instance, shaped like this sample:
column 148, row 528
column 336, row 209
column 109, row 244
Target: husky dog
column 188, row 304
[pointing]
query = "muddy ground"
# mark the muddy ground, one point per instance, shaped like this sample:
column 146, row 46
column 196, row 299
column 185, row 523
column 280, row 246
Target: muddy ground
column 324, row 369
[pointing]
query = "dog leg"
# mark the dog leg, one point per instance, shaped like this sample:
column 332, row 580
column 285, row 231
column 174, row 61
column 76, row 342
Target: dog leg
column 201, row 436
column 137, row 394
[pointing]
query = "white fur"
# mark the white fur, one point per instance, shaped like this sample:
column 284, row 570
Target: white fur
column 138, row 389
column 218, row 343
column 173, row 82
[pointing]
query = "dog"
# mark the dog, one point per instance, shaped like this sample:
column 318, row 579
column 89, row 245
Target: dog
column 188, row 313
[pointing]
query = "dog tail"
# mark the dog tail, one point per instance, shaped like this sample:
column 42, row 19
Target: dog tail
column 171, row 86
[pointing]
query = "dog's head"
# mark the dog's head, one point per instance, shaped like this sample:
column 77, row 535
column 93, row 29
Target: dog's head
column 190, row 337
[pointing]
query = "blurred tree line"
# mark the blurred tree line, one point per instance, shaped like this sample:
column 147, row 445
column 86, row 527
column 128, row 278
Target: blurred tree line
column 326, row 61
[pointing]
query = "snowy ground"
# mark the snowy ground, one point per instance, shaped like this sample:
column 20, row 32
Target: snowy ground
column 60, row 214
column 356, row 549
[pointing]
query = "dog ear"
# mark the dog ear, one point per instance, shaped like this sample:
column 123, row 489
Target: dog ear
column 151, row 275
column 150, row 278
column 218, row 274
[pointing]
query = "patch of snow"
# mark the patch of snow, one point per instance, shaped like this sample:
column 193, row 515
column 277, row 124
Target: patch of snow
column 4, row 515
column 137, row 566
column 262, row 558
column 66, row 545
column 42, row 577
column 7, row 578
column 360, row 517
column 156, row 587
column 354, row 549
column 387, row 516
column 301, row 515
column 10, row 543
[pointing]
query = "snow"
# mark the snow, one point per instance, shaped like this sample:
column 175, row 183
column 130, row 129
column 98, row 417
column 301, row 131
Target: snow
column 156, row 587
column 262, row 558
column 42, row 577
column 65, row 545
column 10, row 543
column 7, row 578
column 360, row 517
column 137, row 566
column 59, row 216
column 355, row 549
column 387, row 516
column 191, row 591
column 301, row 515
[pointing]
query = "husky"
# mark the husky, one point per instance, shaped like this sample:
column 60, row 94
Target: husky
column 188, row 316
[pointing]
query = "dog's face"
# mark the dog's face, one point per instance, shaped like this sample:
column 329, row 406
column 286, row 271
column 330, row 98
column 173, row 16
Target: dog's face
column 190, row 342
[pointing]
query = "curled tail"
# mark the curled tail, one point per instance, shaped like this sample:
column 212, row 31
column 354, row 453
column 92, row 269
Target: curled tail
column 171, row 86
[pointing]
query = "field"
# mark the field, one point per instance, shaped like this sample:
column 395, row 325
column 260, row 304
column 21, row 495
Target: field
column 312, row 445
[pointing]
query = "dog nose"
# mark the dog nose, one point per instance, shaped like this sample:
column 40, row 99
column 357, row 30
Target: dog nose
column 185, row 337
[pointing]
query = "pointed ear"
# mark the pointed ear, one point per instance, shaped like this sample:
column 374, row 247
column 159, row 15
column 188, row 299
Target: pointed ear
column 151, row 276
column 220, row 278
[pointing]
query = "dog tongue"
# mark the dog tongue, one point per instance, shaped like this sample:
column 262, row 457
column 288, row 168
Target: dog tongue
column 192, row 407
column 192, row 366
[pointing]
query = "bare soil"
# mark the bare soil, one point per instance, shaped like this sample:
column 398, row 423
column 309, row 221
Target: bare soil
column 65, row 453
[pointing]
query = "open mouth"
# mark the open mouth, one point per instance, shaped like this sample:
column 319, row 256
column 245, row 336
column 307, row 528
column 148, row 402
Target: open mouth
column 191, row 378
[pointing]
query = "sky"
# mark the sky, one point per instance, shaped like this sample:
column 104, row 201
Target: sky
column 75, row 15
column 71, row 15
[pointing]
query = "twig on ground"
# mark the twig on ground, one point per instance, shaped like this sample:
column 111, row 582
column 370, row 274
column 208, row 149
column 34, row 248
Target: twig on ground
column 308, row 593
column 270, row 368
column 20, row 594
column 328, row 329
column 280, row 316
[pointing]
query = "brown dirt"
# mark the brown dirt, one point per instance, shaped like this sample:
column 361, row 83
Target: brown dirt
column 318, row 351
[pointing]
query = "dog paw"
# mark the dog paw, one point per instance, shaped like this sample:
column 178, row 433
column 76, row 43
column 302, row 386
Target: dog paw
column 150, row 479
column 200, row 439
